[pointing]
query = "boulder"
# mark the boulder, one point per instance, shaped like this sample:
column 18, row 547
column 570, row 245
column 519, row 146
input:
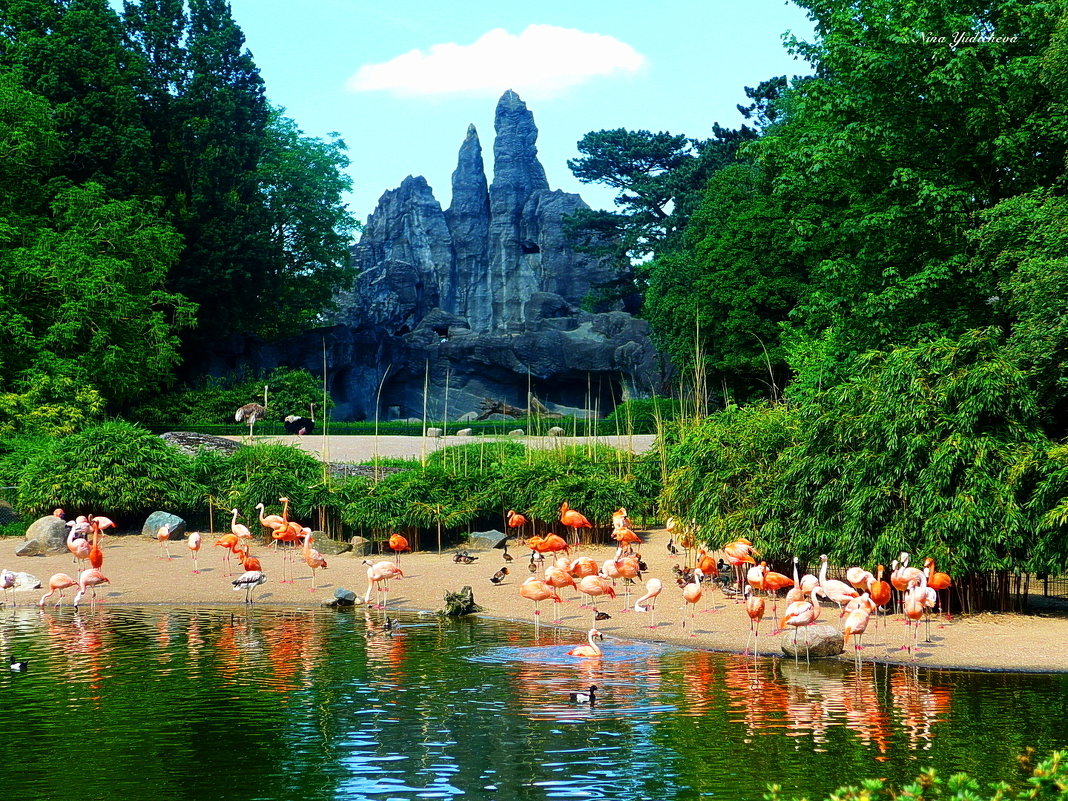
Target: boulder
column 328, row 547
column 157, row 519
column 51, row 531
column 361, row 546
column 464, row 432
column 31, row 548
column 555, row 431
column 517, row 432
column 484, row 540
column 433, row 433
column 344, row 597
column 467, row 417
column 819, row 640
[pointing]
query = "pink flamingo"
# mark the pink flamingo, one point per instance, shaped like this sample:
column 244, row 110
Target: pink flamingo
column 802, row 613
column 58, row 583
column 7, row 584
column 536, row 590
column 312, row 558
column 79, row 547
column 378, row 576
column 194, row 541
column 163, row 534
column 838, row 591
column 653, row 587
column 89, row 580
column 595, row 586
column 754, row 607
column 590, row 650
column 691, row 595
column 858, row 613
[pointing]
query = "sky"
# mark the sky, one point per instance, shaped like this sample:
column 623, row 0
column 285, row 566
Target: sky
column 400, row 82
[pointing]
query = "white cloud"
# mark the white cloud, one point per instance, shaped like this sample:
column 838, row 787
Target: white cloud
column 541, row 62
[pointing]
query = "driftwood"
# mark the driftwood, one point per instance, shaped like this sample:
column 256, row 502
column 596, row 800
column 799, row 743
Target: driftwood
column 490, row 406
column 458, row 604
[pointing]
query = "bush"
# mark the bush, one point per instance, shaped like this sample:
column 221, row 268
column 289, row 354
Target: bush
column 114, row 468
column 640, row 416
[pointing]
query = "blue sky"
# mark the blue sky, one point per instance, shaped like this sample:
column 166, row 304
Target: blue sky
column 401, row 81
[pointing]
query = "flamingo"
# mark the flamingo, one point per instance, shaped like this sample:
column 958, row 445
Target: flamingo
column 163, row 534
column 802, row 613
column 194, row 541
column 58, row 583
column 269, row 522
column 879, row 591
column 754, row 607
column 248, row 581
column 939, row 581
column 7, row 584
column 856, row 621
column 515, row 520
column 573, row 520
column 239, row 530
column 838, row 591
column 629, row 569
column 79, row 547
column 89, row 580
column 773, row 582
column 558, row 578
column 554, row 544
column 914, row 606
column 312, row 558
column 901, row 575
column 653, row 587
column 590, row 650
column 96, row 553
column 626, row 537
column 232, row 545
column 398, row 543
column 691, row 595
column 536, row 590
column 378, row 576
column 739, row 553
column 594, row 586
column 859, row 578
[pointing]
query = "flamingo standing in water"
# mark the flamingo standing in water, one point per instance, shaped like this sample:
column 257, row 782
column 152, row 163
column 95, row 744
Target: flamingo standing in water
column 536, row 590
column 590, row 650
column 574, row 520
column 56, row 584
column 691, row 595
column 312, row 558
column 89, row 580
column 653, row 587
column 558, row 578
column 754, row 607
column 194, row 541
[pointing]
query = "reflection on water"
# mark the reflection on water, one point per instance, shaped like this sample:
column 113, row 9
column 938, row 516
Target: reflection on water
column 198, row 702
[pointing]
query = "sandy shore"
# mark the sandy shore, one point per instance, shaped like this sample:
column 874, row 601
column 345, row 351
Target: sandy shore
column 141, row 576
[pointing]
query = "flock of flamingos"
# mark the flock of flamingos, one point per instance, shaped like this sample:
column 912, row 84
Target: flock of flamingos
column 860, row 598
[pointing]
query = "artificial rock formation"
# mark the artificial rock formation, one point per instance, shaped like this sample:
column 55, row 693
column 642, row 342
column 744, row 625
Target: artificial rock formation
column 483, row 298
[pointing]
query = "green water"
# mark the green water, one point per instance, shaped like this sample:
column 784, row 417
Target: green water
column 270, row 704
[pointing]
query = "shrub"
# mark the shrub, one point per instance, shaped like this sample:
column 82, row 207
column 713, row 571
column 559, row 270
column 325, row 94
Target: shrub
column 114, row 468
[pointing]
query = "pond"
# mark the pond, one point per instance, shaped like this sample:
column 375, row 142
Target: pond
column 285, row 704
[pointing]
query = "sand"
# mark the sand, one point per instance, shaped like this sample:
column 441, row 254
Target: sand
column 140, row 576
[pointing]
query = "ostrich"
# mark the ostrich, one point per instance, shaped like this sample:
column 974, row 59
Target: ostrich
column 250, row 413
column 295, row 424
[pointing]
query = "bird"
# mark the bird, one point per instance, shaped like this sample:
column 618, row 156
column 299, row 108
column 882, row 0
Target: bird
column 739, row 553
column 647, row 603
column 17, row 666
column 498, row 577
column 594, row 586
column 691, row 595
column 248, row 581
column 79, row 547
column 671, row 549
column 89, row 580
column 232, row 545
column 7, row 584
column 536, row 590
column 299, row 425
column 463, row 558
column 838, row 591
column 269, row 522
column 554, row 544
column 573, row 520
column 802, row 613
column 602, row 616
column 588, row 697
column 378, row 576
column 250, row 413
column 879, row 591
column 754, row 607
column 589, row 650
column 163, row 534
column 96, row 553
column 515, row 520
column 938, row 581
column 312, row 558
column 398, row 543
column 856, row 621
column 194, row 541
column 239, row 530
column 58, row 583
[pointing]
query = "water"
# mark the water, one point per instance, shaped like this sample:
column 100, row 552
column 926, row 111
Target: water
column 275, row 704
